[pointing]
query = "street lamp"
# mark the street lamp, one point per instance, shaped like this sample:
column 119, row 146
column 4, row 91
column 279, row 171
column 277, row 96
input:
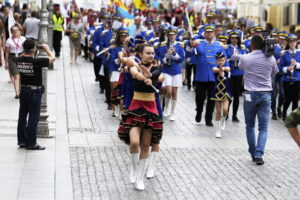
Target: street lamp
column 43, row 125
column 50, row 28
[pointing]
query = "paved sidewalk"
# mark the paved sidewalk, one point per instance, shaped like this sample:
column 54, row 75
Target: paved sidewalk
column 85, row 159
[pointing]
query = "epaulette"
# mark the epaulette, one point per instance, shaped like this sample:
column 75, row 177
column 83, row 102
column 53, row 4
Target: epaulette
column 225, row 46
column 112, row 46
column 164, row 43
column 181, row 44
column 152, row 40
column 104, row 31
column 155, row 45
column 282, row 52
column 243, row 47
column 199, row 40
column 112, row 41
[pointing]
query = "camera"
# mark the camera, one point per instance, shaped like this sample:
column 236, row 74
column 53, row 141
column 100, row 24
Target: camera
column 39, row 46
column 269, row 44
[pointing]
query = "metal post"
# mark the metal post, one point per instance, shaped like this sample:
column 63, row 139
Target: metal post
column 50, row 29
column 43, row 125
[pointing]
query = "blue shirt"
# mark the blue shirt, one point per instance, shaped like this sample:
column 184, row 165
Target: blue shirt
column 205, row 60
column 285, row 61
column 171, row 66
column 234, row 70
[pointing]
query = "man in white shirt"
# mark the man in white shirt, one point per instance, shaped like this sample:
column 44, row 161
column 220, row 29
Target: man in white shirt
column 32, row 26
column 138, row 27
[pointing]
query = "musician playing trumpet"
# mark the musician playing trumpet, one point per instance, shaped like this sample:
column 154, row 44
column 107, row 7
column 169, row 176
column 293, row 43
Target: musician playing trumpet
column 171, row 55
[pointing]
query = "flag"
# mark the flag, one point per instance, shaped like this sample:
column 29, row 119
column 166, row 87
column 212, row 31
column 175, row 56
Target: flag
column 139, row 4
column 122, row 9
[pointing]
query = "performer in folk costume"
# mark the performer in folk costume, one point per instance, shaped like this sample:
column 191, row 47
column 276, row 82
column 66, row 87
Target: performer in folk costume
column 290, row 66
column 171, row 54
column 114, row 66
column 233, row 51
column 221, row 93
column 141, row 126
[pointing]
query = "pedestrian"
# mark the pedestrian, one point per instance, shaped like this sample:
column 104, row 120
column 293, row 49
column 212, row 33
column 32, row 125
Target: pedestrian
column 32, row 26
column 30, row 69
column 76, row 29
column 58, row 28
column 290, row 66
column 14, row 48
column 141, row 126
column 258, row 72
column 291, row 123
column 221, row 93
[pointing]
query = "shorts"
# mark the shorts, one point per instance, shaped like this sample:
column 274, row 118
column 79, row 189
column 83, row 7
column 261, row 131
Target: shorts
column 115, row 76
column 172, row 80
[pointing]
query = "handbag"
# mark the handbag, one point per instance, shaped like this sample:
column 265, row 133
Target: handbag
column 74, row 35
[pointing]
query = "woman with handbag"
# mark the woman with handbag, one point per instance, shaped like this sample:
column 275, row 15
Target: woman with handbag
column 75, row 30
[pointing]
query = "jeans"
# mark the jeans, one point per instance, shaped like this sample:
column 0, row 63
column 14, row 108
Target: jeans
column 257, row 104
column 30, row 103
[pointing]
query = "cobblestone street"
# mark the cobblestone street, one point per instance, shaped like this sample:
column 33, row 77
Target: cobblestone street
column 86, row 160
column 192, row 164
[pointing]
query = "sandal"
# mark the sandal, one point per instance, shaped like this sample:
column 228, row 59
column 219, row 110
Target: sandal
column 36, row 147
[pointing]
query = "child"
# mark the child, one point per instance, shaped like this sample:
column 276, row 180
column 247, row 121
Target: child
column 221, row 93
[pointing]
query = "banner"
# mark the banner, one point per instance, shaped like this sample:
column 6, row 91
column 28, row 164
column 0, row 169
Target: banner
column 122, row 9
column 226, row 4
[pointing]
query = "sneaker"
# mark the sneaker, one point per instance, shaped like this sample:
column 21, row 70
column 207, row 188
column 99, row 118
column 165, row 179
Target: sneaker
column 235, row 119
column 198, row 117
column 259, row 161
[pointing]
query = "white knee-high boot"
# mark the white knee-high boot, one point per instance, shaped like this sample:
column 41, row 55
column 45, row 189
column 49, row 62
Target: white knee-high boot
column 134, row 166
column 151, row 167
column 139, row 184
column 166, row 109
column 161, row 99
column 172, row 114
column 223, row 123
column 218, row 131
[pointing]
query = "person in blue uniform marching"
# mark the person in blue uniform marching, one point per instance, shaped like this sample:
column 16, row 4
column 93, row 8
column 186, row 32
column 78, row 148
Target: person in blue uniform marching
column 171, row 54
column 148, row 34
column 114, row 63
column 290, row 66
column 233, row 51
column 205, row 60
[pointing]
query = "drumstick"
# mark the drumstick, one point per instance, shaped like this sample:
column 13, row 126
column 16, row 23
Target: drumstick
column 156, row 90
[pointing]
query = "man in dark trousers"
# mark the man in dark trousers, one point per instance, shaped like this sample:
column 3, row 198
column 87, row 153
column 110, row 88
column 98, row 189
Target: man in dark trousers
column 58, row 28
column 30, row 69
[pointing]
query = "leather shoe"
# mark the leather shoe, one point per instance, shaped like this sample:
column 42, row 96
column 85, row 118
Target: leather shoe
column 235, row 119
column 209, row 123
column 259, row 161
column 198, row 117
column 36, row 147
column 21, row 145
column 274, row 117
column 278, row 112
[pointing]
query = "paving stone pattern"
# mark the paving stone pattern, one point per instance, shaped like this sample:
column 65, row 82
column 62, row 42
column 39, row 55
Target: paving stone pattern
column 186, row 173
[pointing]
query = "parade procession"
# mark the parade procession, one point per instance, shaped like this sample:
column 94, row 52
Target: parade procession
column 156, row 99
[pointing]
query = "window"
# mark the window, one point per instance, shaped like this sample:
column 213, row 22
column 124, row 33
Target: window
column 286, row 15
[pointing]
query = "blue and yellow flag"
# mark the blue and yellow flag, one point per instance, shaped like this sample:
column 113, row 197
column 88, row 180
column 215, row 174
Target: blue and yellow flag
column 122, row 9
column 140, row 4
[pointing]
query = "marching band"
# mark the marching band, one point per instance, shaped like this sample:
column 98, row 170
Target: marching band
column 141, row 76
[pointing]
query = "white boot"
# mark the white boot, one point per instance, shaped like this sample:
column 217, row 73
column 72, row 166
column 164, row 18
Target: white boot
column 161, row 99
column 117, row 111
column 139, row 184
column 166, row 110
column 152, row 160
column 134, row 166
column 113, row 114
column 218, row 132
column 173, row 106
column 223, row 123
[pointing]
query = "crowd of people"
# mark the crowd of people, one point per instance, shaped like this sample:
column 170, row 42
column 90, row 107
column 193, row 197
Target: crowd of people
column 140, row 73
column 141, row 67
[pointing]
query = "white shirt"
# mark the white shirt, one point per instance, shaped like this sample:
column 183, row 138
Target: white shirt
column 15, row 44
column 32, row 26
